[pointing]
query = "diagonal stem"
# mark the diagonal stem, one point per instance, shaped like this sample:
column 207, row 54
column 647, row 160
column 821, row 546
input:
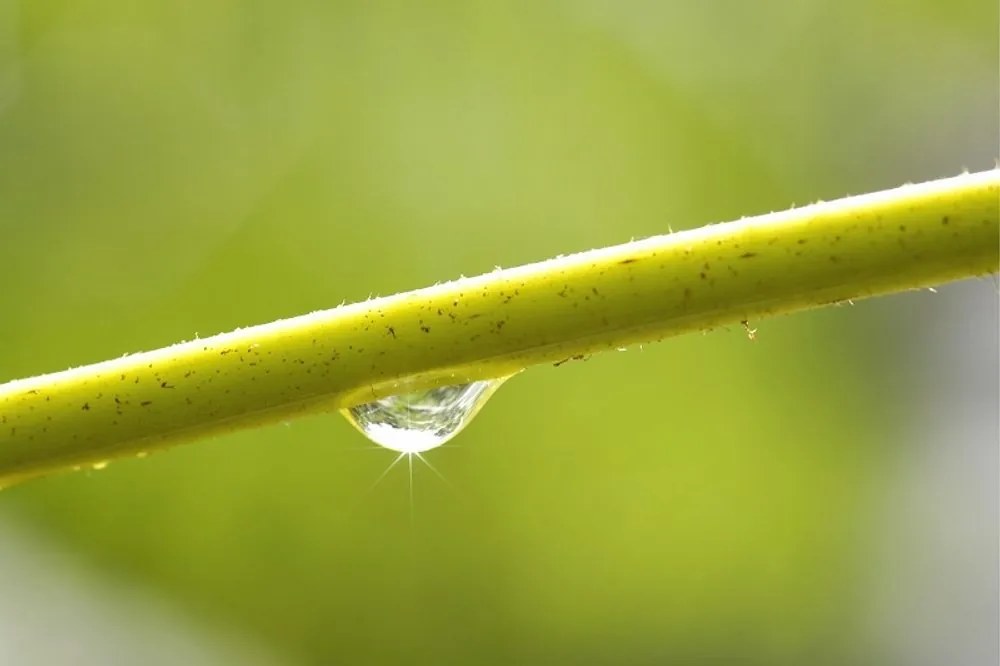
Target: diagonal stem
column 493, row 325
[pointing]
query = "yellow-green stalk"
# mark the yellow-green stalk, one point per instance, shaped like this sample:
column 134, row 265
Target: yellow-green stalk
column 496, row 324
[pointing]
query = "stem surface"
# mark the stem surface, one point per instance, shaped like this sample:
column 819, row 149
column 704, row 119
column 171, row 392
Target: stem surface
column 495, row 324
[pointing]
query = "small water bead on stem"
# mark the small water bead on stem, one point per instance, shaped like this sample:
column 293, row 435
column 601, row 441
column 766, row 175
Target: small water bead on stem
column 422, row 420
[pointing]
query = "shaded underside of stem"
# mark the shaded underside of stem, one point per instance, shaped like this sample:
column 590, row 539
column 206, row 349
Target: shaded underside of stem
column 498, row 323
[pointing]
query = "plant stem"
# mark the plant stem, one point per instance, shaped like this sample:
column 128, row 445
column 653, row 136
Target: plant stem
column 496, row 324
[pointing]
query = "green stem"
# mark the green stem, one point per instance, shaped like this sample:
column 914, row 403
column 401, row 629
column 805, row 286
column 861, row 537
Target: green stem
column 496, row 324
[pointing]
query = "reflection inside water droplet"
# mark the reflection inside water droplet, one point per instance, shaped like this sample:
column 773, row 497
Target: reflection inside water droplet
column 420, row 421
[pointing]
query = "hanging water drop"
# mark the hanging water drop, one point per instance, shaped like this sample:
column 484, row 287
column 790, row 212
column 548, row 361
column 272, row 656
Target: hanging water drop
column 422, row 420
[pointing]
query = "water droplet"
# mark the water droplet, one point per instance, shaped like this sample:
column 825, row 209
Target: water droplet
column 98, row 466
column 142, row 454
column 420, row 421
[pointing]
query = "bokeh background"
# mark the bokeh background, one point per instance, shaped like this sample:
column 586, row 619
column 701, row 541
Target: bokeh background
column 825, row 494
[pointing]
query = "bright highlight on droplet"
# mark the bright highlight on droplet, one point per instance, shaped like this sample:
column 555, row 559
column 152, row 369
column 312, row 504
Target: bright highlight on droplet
column 420, row 421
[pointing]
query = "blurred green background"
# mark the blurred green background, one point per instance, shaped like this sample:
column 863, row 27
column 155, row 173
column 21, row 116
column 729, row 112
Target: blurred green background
column 168, row 169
